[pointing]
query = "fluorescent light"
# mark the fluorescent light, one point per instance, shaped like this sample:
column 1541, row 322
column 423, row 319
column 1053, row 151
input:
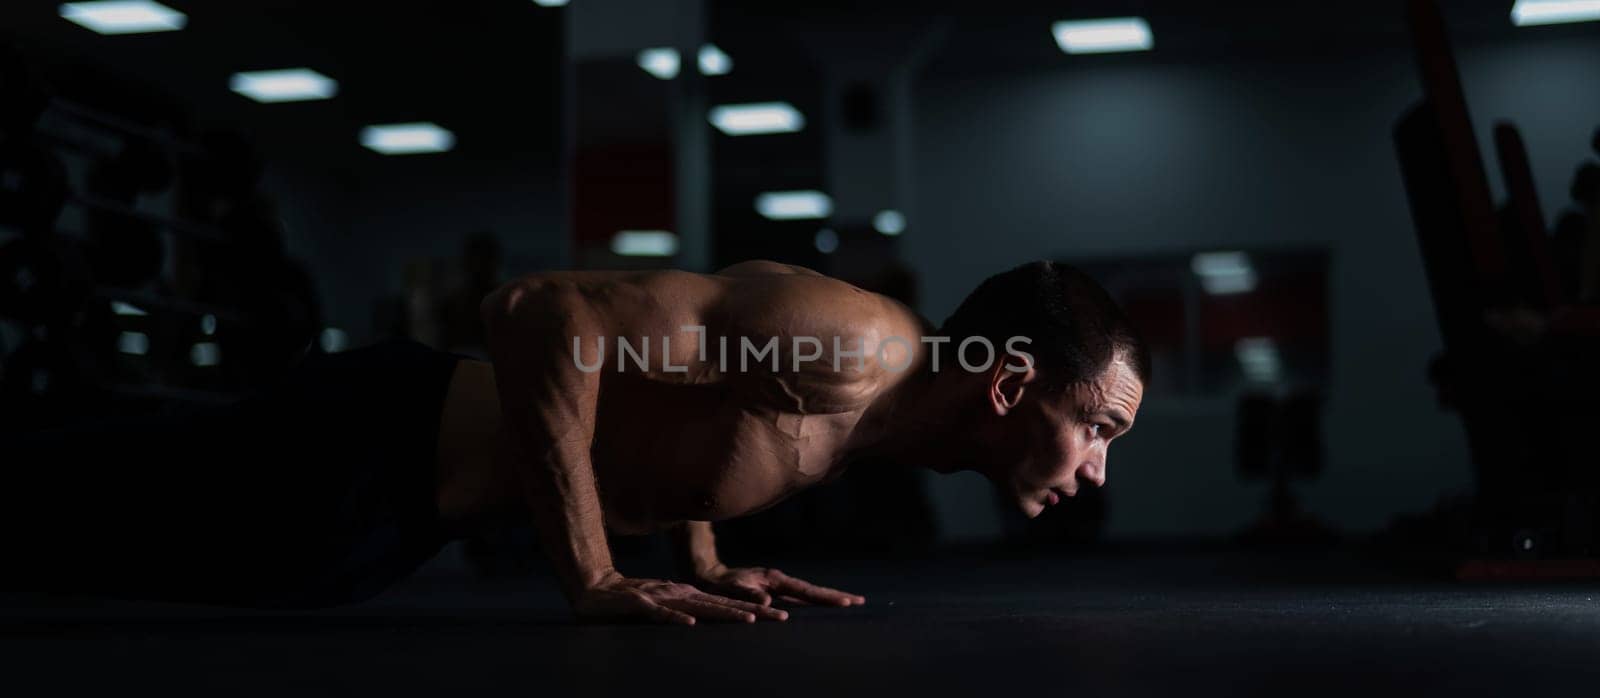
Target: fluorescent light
column 1220, row 263
column 660, row 62
column 1224, row 273
column 406, row 139
column 889, row 222
column 1258, row 358
column 713, row 61
column 333, row 340
column 644, row 243
column 1103, row 35
column 205, row 354
column 208, row 325
column 757, row 118
column 124, row 17
column 1228, row 285
column 121, row 308
column 826, row 241
column 1256, row 350
column 550, row 3
column 792, row 205
column 292, row 85
column 665, row 63
column 1528, row 13
column 135, row 343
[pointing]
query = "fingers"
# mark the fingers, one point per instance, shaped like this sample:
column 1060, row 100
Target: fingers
column 665, row 602
column 662, row 614
column 713, row 607
column 765, row 612
column 812, row 593
column 680, row 604
column 747, row 592
column 701, row 608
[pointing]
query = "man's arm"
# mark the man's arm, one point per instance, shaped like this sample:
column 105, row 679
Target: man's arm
column 549, row 408
column 697, row 549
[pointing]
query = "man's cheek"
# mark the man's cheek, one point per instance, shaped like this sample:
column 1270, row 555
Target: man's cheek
column 1041, row 472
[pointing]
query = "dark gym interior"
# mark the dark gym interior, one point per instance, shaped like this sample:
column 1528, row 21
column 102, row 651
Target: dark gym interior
column 1361, row 239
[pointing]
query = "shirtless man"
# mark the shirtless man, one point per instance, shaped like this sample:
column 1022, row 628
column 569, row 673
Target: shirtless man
column 610, row 403
column 691, row 438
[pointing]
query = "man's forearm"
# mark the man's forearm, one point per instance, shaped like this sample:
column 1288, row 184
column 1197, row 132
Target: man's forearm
column 566, row 511
column 549, row 409
column 697, row 548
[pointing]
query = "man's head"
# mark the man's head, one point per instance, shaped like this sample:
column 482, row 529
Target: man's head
column 1041, row 433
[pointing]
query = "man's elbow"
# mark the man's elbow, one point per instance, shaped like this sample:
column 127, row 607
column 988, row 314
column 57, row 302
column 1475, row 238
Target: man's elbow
column 532, row 304
column 500, row 304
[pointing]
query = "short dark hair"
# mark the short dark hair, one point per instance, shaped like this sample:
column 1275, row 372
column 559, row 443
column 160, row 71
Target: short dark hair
column 1075, row 327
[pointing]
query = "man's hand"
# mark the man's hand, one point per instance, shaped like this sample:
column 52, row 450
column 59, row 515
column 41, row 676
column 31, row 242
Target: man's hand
column 618, row 597
column 761, row 584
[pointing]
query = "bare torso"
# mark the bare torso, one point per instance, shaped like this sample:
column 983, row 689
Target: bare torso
column 711, row 442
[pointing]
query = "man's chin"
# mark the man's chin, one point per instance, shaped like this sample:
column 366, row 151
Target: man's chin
column 1030, row 508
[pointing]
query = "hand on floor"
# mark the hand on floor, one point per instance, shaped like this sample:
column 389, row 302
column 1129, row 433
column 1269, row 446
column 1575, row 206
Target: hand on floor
column 621, row 598
column 762, row 584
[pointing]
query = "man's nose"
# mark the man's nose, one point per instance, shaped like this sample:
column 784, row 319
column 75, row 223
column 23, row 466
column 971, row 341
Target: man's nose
column 1094, row 473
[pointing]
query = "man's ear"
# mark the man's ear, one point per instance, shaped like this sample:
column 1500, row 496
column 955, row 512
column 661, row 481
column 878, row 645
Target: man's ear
column 1006, row 385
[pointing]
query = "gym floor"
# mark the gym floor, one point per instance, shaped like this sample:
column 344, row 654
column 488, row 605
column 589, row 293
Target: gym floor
column 1118, row 623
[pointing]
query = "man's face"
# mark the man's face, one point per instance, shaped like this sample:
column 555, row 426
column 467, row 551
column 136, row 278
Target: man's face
column 1047, row 445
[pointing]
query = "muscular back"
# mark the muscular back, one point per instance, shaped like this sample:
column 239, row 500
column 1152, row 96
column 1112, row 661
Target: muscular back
column 693, row 422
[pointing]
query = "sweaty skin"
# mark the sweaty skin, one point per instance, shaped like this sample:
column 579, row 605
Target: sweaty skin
column 684, row 442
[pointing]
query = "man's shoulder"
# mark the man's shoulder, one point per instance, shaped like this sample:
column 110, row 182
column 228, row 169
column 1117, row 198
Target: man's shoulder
column 787, row 303
column 763, row 267
column 827, row 335
column 761, row 300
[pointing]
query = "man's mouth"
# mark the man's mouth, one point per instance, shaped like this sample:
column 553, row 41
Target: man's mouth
column 1050, row 498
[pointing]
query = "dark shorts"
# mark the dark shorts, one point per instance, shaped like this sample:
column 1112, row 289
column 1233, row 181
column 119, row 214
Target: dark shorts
column 318, row 491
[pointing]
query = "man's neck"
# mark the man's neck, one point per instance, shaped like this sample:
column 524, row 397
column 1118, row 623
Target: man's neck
column 896, row 422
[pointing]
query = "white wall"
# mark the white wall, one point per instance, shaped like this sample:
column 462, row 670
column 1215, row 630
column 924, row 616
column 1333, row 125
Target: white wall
column 1088, row 161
